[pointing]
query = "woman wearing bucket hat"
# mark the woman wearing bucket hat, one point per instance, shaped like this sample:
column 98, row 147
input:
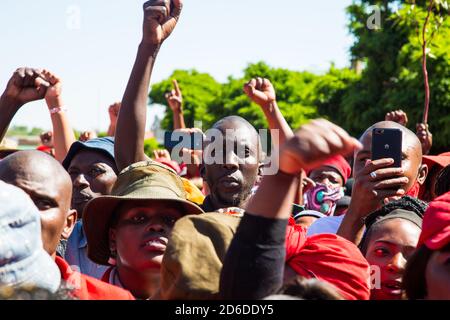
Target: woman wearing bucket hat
column 129, row 229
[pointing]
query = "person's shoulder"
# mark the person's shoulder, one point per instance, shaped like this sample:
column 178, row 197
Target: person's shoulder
column 100, row 290
column 325, row 225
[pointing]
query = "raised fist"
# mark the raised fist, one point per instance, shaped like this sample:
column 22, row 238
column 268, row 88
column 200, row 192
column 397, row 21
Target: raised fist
column 162, row 154
column 53, row 94
column 260, row 91
column 160, row 19
column 425, row 137
column 313, row 144
column 26, row 85
column 113, row 112
column 47, row 139
column 175, row 98
column 87, row 135
column 398, row 116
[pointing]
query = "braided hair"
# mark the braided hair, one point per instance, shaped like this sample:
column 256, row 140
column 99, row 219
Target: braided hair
column 413, row 205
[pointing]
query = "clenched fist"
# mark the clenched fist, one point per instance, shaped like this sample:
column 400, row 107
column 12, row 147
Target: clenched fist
column 260, row 91
column 160, row 19
column 398, row 116
column 174, row 98
column 53, row 94
column 425, row 137
column 26, row 85
column 313, row 144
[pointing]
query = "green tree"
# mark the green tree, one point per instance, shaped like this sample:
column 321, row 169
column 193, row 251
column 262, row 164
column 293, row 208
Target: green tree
column 393, row 75
column 199, row 90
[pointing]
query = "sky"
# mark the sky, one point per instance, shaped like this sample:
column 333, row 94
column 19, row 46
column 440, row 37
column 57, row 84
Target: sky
column 91, row 45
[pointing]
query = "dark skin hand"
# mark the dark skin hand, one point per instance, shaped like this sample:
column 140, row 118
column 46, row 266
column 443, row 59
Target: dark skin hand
column 370, row 194
column 25, row 85
column 425, row 137
column 93, row 174
column 230, row 181
column 160, row 19
column 262, row 92
column 398, row 116
column 49, row 186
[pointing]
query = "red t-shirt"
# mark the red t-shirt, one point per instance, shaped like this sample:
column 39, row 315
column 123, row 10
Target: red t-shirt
column 88, row 288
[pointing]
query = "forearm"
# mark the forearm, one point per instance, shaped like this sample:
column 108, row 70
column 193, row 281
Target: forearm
column 111, row 130
column 277, row 122
column 352, row 227
column 130, row 131
column 254, row 264
column 8, row 109
column 281, row 190
column 178, row 120
column 63, row 135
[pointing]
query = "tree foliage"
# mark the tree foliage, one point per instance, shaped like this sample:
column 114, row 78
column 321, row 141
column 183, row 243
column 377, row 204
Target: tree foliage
column 391, row 79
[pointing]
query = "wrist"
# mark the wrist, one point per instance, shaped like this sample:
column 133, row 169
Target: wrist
column 57, row 110
column 54, row 102
column 270, row 106
column 150, row 49
column 10, row 103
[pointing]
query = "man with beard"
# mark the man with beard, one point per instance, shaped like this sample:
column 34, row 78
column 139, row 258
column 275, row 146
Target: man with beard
column 93, row 172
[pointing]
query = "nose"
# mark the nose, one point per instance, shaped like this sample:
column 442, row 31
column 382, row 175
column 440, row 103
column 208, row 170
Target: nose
column 156, row 224
column 80, row 182
column 397, row 264
column 230, row 161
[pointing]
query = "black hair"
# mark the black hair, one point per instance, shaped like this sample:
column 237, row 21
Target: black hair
column 413, row 281
column 442, row 185
column 407, row 203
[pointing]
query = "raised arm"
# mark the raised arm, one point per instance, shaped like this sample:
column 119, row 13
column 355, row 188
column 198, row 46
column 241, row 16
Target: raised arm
column 160, row 19
column 254, row 264
column 262, row 92
column 175, row 102
column 25, row 85
column 113, row 112
column 63, row 135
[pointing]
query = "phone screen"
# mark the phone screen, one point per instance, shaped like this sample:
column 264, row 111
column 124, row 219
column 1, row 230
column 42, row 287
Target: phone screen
column 387, row 143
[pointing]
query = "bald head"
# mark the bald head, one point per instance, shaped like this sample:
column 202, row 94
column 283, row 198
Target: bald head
column 48, row 185
column 243, row 129
column 410, row 139
column 411, row 153
column 36, row 166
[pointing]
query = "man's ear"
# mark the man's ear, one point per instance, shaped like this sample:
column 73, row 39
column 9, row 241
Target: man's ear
column 423, row 173
column 71, row 220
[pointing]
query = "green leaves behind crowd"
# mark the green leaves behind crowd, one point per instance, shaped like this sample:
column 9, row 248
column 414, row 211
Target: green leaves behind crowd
column 391, row 78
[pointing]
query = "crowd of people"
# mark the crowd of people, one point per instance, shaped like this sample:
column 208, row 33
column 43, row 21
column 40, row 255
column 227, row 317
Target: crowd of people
column 98, row 219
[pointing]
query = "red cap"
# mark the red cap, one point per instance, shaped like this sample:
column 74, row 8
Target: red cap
column 44, row 149
column 330, row 258
column 436, row 224
column 441, row 160
column 340, row 164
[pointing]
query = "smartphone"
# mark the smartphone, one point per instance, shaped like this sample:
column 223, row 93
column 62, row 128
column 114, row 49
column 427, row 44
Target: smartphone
column 192, row 141
column 387, row 143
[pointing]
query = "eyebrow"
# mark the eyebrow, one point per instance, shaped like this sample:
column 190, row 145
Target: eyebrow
column 395, row 244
